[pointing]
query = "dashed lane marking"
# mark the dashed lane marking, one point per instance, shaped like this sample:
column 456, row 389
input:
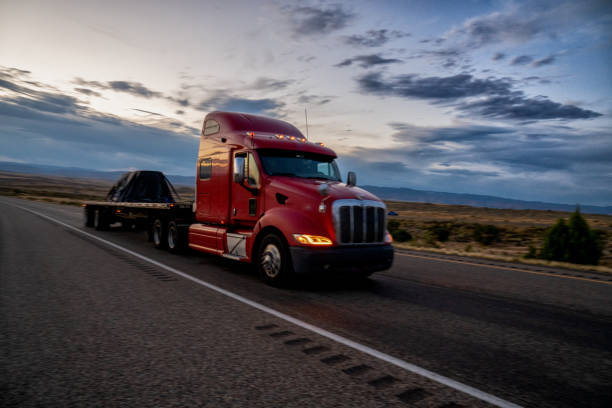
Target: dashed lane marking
column 515, row 269
column 492, row 399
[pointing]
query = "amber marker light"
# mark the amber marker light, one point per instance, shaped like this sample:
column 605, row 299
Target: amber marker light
column 292, row 138
column 313, row 240
column 388, row 238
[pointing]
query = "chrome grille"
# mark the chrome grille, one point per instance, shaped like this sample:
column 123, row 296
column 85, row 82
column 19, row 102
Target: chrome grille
column 359, row 221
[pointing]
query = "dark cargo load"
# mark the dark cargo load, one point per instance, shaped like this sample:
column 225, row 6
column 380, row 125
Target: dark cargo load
column 143, row 187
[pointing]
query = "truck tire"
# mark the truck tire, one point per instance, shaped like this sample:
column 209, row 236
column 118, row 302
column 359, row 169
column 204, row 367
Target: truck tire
column 100, row 221
column 176, row 239
column 159, row 231
column 88, row 217
column 273, row 261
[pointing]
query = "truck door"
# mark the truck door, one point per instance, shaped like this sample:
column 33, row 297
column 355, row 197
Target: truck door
column 245, row 202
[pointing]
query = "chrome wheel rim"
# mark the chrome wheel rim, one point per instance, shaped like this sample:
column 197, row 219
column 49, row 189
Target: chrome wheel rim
column 271, row 261
column 171, row 237
column 157, row 234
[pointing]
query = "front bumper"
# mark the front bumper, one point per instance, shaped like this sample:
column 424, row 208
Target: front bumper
column 344, row 259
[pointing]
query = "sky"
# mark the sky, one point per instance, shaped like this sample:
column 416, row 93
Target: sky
column 504, row 98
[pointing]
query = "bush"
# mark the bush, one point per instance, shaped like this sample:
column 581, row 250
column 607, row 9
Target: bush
column 573, row 242
column 401, row 235
column 440, row 232
column 393, row 225
column 486, row 234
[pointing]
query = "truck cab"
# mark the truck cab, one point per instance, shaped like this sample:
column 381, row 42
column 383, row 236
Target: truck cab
column 265, row 194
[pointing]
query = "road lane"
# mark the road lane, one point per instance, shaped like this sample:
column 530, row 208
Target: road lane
column 520, row 347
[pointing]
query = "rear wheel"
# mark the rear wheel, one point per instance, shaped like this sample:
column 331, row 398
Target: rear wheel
column 273, row 261
column 88, row 217
column 160, row 234
column 100, row 221
column 176, row 238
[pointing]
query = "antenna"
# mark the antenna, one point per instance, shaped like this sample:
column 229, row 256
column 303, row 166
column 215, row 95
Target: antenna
column 306, row 114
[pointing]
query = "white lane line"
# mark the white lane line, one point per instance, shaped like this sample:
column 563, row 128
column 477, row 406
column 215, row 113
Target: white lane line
column 342, row 340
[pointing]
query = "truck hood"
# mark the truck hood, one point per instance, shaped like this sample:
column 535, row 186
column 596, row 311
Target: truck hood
column 302, row 188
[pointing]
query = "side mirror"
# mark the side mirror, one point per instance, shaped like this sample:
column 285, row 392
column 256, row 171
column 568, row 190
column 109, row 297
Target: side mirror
column 351, row 179
column 239, row 162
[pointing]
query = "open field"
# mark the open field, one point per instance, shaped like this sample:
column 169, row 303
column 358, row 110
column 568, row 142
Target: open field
column 510, row 232
column 513, row 232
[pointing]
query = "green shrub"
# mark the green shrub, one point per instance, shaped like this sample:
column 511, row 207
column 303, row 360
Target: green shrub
column 486, row 234
column 393, row 225
column 440, row 232
column 573, row 242
column 401, row 235
column 531, row 253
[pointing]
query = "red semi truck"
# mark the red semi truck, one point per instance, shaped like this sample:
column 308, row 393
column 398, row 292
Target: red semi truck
column 264, row 194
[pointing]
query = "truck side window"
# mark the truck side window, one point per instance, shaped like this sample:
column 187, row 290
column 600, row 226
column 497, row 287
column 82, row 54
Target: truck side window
column 211, row 127
column 205, row 169
column 253, row 171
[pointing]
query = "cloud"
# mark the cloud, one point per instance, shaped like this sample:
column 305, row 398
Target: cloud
column 132, row 88
column 537, row 162
column 440, row 88
column 498, row 56
column 497, row 97
column 38, row 125
column 374, row 38
column 309, row 21
column 224, row 101
column 521, row 60
column 88, row 92
column 544, row 61
column 528, row 21
column 270, row 84
column 523, row 108
column 367, row 61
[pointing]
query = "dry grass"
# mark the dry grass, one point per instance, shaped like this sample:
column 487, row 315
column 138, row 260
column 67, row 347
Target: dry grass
column 518, row 229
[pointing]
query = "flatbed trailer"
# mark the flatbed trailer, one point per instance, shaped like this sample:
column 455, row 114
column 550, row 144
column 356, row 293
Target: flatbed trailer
column 167, row 223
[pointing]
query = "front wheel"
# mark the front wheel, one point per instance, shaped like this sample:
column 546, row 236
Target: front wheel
column 273, row 261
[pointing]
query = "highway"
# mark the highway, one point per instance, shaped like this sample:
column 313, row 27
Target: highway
column 83, row 322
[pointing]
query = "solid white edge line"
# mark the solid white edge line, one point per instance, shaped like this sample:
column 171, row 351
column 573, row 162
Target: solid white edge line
column 339, row 339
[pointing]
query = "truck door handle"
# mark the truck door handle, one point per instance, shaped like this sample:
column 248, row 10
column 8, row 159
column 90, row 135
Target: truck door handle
column 234, row 211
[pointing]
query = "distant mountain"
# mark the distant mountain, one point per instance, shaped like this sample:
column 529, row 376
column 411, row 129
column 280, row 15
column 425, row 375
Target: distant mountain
column 475, row 200
column 386, row 193
column 78, row 172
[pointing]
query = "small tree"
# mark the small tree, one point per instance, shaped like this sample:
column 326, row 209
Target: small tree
column 573, row 242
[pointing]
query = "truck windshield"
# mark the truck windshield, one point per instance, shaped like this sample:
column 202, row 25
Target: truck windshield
column 298, row 164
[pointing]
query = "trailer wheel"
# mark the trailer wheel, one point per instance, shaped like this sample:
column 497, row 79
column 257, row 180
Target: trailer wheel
column 175, row 237
column 100, row 221
column 273, row 261
column 160, row 234
column 88, row 217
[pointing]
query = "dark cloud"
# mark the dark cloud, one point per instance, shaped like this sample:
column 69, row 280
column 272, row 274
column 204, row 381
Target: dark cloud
column 498, row 56
column 224, row 101
column 180, row 112
column 132, row 88
column 314, row 99
column 270, row 84
column 307, row 21
column 544, row 61
column 88, row 92
column 367, row 61
column 148, row 112
column 497, row 98
column 498, row 27
column 374, row 38
column 523, row 108
column 453, row 87
column 543, row 162
column 521, row 60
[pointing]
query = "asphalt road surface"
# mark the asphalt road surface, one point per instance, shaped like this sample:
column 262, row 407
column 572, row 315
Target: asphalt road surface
column 83, row 323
